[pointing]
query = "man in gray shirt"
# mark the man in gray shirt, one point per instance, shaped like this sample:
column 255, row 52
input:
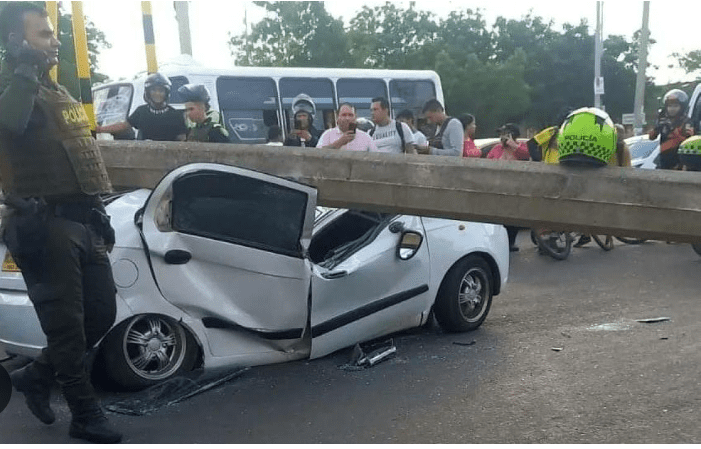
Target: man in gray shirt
column 448, row 140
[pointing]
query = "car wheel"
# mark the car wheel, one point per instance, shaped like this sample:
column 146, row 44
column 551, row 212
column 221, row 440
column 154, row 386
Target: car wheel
column 148, row 349
column 465, row 295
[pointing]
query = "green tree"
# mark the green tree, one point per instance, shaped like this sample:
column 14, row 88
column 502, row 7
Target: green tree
column 495, row 93
column 389, row 37
column 691, row 62
column 67, row 70
column 294, row 34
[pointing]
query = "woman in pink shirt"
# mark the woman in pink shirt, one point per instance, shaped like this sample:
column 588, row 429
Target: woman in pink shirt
column 509, row 149
column 469, row 149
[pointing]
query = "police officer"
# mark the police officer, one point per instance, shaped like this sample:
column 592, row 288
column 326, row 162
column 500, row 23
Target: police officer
column 303, row 133
column 155, row 120
column 56, row 230
column 204, row 123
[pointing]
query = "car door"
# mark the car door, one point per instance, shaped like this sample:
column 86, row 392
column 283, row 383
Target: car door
column 372, row 292
column 227, row 246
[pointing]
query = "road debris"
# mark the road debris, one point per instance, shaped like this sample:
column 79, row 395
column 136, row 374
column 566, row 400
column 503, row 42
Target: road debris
column 461, row 343
column 654, row 320
column 170, row 392
column 557, row 349
column 369, row 354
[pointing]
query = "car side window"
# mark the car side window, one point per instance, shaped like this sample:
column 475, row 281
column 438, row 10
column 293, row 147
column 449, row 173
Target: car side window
column 240, row 210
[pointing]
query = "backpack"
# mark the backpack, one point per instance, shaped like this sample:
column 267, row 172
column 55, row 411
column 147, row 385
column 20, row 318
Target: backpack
column 400, row 130
column 437, row 140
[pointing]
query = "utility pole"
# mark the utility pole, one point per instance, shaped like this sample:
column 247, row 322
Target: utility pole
column 149, row 38
column 598, row 50
column 183, row 17
column 638, row 106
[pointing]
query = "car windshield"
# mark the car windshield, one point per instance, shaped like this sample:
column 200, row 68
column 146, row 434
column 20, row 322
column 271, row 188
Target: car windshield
column 642, row 148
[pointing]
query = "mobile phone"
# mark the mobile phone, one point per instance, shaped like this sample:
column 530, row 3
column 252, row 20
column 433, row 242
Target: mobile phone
column 352, row 126
column 298, row 124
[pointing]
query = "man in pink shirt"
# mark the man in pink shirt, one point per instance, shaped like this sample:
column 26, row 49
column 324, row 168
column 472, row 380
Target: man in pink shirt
column 345, row 136
column 509, row 149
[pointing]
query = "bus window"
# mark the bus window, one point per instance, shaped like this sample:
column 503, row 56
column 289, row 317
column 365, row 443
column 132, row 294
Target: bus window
column 176, row 83
column 319, row 89
column 360, row 92
column 410, row 94
column 112, row 103
column 248, row 106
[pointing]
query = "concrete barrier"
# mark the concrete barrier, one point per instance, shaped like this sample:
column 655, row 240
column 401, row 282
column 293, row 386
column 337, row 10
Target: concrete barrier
column 642, row 203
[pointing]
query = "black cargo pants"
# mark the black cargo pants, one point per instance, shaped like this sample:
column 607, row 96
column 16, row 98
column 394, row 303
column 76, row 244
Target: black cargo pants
column 69, row 280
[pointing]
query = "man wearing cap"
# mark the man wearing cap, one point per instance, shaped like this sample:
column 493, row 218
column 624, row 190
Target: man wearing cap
column 303, row 133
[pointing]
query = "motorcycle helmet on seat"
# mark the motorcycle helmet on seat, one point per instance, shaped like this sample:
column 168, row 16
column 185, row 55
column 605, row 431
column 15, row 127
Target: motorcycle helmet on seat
column 587, row 137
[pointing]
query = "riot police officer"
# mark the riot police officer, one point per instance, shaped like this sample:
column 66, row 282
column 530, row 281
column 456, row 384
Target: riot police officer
column 204, row 123
column 56, row 230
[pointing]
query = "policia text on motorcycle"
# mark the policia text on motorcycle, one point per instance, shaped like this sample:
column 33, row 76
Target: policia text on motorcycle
column 56, row 228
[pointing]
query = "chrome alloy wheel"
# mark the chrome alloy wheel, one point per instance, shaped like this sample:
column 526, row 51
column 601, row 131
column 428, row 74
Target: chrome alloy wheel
column 471, row 294
column 154, row 347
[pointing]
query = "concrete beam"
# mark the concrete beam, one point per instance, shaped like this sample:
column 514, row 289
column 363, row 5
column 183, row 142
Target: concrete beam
column 657, row 204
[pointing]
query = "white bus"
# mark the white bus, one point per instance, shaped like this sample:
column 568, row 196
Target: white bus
column 252, row 99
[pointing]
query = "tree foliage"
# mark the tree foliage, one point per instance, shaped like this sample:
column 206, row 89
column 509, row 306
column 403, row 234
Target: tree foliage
column 525, row 71
column 293, row 34
column 691, row 62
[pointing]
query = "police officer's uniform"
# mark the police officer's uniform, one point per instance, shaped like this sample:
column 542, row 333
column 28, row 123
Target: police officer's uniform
column 56, row 230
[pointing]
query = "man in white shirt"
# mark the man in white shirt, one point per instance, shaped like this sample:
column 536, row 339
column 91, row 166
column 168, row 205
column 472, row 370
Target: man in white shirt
column 420, row 140
column 345, row 136
column 389, row 135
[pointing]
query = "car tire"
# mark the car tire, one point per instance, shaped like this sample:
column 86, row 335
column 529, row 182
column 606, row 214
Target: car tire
column 147, row 349
column 465, row 295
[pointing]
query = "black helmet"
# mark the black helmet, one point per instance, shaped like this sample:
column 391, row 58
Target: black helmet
column 156, row 79
column 195, row 93
column 677, row 95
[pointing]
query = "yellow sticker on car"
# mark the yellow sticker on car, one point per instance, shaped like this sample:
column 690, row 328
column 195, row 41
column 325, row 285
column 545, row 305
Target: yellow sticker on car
column 9, row 265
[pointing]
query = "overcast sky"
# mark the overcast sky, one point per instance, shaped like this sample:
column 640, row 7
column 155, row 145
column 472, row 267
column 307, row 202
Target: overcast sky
column 674, row 24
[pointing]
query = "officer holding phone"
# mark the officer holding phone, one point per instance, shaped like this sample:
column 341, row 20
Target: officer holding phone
column 56, row 230
column 303, row 133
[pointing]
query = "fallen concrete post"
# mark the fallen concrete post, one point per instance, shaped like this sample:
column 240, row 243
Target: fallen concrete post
column 657, row 204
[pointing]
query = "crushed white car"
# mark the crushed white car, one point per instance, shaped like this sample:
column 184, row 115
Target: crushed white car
column 222, row 267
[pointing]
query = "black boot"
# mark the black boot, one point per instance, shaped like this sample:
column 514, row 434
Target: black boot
column 89, row 422
column 36, row 387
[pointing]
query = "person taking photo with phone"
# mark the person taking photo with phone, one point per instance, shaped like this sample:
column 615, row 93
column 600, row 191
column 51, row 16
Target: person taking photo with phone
column 346, row 136
column 303, row 133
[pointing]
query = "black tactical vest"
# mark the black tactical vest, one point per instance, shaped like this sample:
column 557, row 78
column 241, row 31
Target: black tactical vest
column 60, row 158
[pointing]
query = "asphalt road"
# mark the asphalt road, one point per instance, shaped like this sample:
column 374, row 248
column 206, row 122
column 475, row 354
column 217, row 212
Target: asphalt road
column 560, row 359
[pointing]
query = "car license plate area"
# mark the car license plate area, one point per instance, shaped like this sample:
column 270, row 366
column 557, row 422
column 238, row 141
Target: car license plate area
column 9, row 265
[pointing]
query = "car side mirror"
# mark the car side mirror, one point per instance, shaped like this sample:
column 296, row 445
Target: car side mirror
column 409, row 244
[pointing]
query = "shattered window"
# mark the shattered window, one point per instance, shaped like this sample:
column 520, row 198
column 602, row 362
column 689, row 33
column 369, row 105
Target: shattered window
column 240, row 210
